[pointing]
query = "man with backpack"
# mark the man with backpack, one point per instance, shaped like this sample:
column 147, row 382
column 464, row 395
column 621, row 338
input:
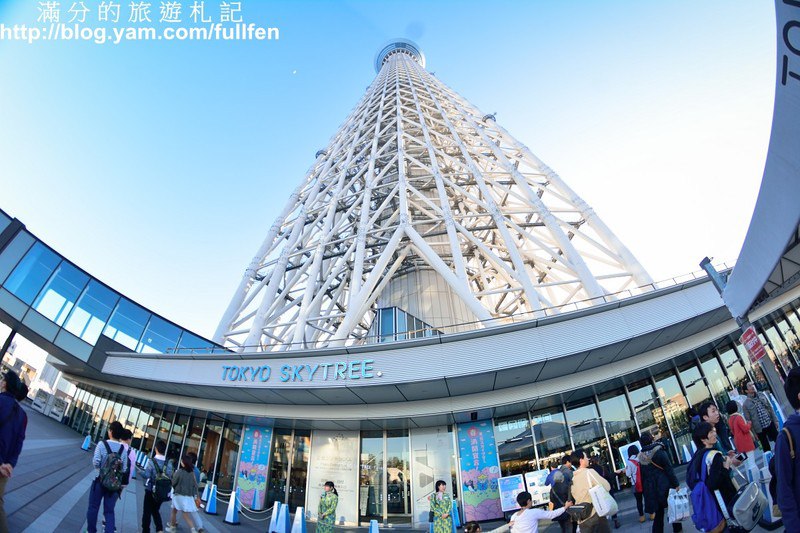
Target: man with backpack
column 111, row 462
column 157, row 487
column 708, row 471
column 787, row 462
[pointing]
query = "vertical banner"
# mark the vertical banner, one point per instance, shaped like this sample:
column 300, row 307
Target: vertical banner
column 431, row 460
column 480, row 469
column 334, row 457
column 252, row 476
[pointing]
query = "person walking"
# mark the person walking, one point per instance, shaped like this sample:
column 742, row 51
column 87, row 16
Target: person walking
column 98, row 493
column 151, row 508
column 582, row 480
column 758, row 410
column 559, row 496
column 184, row 492
column 327, row 508
column 742, row 437
column 634, row 472
column 657, row 478
column 717, row 466
column 13, row 424
column 787, row 460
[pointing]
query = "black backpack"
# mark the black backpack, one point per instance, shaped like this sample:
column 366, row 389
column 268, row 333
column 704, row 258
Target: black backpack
column 162, row 484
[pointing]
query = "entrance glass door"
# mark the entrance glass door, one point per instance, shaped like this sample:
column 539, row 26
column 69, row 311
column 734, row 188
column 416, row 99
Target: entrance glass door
column 384, row 477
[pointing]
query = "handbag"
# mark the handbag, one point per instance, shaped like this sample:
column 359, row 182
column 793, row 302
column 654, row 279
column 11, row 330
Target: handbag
column 431, row 516
column 603, row 502
column 580, row 511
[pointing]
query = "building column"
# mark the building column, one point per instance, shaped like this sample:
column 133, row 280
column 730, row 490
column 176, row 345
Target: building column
column 7, row 343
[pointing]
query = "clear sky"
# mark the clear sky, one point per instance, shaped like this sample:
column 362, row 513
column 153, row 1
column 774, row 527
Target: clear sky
column 159, row 166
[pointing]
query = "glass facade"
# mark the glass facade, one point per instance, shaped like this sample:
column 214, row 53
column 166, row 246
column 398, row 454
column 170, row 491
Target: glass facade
column 86, row 308
column 394, row 324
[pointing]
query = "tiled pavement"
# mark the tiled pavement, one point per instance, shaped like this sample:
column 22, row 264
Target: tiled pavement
column 50, row 486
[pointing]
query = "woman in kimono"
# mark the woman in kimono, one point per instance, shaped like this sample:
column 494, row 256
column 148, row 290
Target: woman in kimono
column 441, row 507
column 327, row 508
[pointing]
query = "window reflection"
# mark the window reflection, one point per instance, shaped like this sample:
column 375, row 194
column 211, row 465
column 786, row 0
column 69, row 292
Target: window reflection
column 91, row 312
column 191, row 343
column 550, row 432
column 618, row 421
column 60, row 293
column 127, row 324
column 32, row 272
column 159, row 337
column 514, row 445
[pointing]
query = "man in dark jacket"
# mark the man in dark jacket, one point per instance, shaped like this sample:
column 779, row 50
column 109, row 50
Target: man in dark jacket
column 657, row 479
column 13, row 423
column 787, row 468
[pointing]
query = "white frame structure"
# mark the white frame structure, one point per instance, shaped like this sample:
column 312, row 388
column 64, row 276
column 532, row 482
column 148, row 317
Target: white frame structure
column 418, row 178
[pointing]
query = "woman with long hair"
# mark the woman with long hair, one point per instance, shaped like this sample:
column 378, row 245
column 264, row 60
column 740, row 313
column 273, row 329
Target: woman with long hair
column 327, row 508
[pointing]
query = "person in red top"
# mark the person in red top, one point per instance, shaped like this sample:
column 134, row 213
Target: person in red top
column 740, row 429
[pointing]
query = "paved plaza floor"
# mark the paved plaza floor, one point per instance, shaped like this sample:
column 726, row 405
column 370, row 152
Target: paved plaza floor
column 49, row 491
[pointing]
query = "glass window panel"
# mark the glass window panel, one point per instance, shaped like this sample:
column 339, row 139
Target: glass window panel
column 676, row 409
column 781, row 350
column 398, row 478
column 514, row 444
column 736, row 372
column 60, row 293
column 618, row 421
column 371, row 480
column 159, row 337
column 178, row 431
column 387, row 325
column 791, row 339
column 402, row 325
column 278, row 464
column 696, row 389
column 229, row 451
column 91, row 312
column 587, row 431
column 191, row 343
column 32, row 272
column 127, row 324
column 551, row 435
column 717, row 381
column 4, row 221
column 301, row 451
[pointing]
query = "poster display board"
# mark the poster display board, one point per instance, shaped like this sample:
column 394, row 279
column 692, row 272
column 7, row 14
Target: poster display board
column 334, row 457
column 540, row 493
column 253, row 465
column 480, row 470
column 509, row 487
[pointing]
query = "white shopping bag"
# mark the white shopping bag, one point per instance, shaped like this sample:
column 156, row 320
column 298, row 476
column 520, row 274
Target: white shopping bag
column 603, row 502
column 679, row 505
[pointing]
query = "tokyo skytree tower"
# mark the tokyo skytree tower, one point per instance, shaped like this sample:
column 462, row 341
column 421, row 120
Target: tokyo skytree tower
column 423, row 204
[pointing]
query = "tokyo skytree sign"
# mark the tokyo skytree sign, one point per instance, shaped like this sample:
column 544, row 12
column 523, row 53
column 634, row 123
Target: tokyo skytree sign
column 423, row 204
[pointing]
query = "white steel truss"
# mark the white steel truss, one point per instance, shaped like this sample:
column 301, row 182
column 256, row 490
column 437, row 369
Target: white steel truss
column 418, row 178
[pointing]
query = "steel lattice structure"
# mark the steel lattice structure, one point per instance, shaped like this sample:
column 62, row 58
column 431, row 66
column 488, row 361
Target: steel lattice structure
column 419, row 179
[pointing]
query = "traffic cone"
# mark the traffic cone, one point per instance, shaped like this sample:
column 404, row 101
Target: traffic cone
column 87, row 443
column 206, row 490
column 299, row 524
column 373, row 526
column 256, row 504
column 283, row 520
column 273, row 521
column 232, row 515
column 211, row 506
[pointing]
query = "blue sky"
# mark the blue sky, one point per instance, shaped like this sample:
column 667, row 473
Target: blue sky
column 159, row 166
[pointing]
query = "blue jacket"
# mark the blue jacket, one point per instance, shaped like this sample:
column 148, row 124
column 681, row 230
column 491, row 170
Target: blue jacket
column 789, row 475
column 12, row 433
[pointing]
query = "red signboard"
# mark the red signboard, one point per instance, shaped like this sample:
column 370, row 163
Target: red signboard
column 753, row 344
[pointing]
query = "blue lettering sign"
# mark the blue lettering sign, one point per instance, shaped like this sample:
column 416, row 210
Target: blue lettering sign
column 358, row 369
column 285, row 369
